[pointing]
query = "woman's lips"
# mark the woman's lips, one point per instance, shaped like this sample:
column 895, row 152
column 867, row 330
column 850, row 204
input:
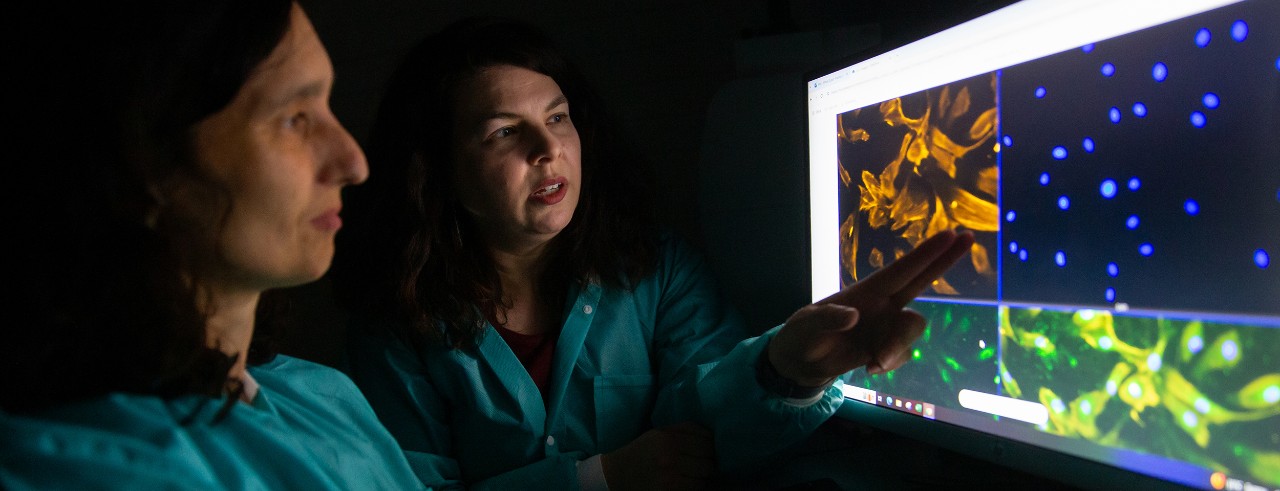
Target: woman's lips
column 550, row 191
column 329, row 221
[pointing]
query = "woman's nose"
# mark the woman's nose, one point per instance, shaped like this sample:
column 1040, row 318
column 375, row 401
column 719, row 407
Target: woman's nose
column 546, row 146
column 343, row 159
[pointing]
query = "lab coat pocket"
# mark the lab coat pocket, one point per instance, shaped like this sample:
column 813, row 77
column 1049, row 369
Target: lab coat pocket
column 624, row 404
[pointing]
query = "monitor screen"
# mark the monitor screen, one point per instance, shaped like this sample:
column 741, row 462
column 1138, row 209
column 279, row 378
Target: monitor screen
column 1119, row 164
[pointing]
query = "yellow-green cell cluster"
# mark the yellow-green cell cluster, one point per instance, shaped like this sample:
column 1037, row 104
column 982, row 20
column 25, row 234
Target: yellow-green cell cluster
column 1140, row 382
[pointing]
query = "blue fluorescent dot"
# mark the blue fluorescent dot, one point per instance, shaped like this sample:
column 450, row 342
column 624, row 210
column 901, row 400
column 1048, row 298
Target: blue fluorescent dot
column 1087, row 48
column 1108, row 189
column 1160, row 71
column 1059, row 152
column 1154, row 362
column 1139, row 109
column 1197, row 119
column 1132, row 222
column 1271, row 394
column 1194, row 345
column 1114, row 113
column 1202, row 37
column 1239, row 30
column 1134, row 184
column 1013, row 247
column 1088, row 145
column 1022, row 254
column 1192, row 207
column 1229, row 350
column 1063, row 202
column 1189, row 418
column 1110, row 294
column 1278, row 63
column 1008, row 141
column 1040, row 92
column 1113, row 270
column 1008, row 217
column 1108, row 69
column 1145, row 249
column 1203, row 405
column 1044, row 181
column 1210, row 100
column 1261, row 258
column 1060, row 258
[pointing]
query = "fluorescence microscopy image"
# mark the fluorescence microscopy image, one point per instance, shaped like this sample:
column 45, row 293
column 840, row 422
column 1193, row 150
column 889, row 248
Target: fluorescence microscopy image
column 1125, row 196
column 913, row 166
column 1203, row 392
column 958, row 350
column 1143, row 170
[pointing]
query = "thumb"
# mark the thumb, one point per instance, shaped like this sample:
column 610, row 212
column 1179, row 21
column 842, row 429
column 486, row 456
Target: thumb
column 826, row 317
column 894, row 347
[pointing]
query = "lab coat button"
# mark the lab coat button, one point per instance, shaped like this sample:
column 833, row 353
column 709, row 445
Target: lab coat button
column 551, row 441
column 586, row 309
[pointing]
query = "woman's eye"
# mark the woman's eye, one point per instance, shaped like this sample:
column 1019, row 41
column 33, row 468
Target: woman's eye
column 297, row 120
column 559, row 118
column 504, row 132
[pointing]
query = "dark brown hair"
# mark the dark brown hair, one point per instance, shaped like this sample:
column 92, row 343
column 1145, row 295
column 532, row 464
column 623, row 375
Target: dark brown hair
column 411, row 250
column 103, row 306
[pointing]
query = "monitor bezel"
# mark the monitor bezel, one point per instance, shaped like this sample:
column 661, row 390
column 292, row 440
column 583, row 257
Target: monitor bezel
column 1006, row 452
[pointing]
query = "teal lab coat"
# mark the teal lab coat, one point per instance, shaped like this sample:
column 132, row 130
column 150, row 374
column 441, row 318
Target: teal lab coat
column 626, row 361
column 307, row 428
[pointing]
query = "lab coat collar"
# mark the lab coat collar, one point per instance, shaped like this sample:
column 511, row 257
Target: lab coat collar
column 515, row 378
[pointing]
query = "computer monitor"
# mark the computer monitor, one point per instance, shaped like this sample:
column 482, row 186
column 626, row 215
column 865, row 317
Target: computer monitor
column 1117, row 322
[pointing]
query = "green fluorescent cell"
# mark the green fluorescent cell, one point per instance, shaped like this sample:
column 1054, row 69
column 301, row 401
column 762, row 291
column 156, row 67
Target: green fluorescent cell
column 955, row 365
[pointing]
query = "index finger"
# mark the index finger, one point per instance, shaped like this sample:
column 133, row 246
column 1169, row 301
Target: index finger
column 933, row 270
column 908, row 269
column 902, row 280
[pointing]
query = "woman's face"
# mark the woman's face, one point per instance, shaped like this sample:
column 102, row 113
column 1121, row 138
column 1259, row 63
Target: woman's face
column 271, row 167
column 518, row 157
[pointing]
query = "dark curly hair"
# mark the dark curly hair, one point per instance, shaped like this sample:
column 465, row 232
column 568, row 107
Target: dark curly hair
column 411, row 251
column 117, row 88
